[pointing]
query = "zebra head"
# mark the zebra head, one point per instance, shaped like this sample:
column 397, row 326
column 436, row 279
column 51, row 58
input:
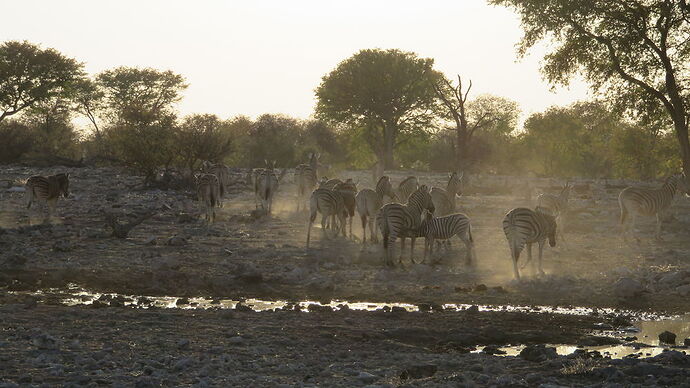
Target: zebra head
column 63, row 184
column 454, row 182
column 682, row 183
column 551, row 225
column 421, row 199
column 385, row 188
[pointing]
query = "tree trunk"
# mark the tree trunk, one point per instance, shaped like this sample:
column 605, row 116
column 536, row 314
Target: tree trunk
column 682, row 135
column 389, row 133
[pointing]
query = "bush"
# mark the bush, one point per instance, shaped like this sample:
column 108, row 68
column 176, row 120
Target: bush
column 15, row 141
column 202, row 137
column 144, row 147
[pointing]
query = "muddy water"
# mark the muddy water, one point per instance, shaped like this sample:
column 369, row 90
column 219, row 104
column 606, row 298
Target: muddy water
column 645, row 330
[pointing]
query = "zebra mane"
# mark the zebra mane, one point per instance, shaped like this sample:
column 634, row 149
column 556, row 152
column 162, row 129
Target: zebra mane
column 406, row 180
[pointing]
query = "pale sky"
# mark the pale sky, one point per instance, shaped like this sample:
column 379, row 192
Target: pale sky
column 254, row 57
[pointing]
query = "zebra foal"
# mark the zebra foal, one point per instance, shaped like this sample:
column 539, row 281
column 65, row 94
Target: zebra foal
column 266, row 185
column 47, row 190
column 557, row 204
column 396, row 220
column 369, row 202
column 443, row 228
column 635, row 201
column 526, row 226
column 222, row 172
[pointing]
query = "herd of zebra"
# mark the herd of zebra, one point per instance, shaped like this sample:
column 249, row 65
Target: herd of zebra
column 409, row 211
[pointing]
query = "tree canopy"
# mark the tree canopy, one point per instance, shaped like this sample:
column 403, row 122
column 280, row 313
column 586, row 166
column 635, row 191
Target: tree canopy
column 383, row 92
column 636, row 52
column 31, row 75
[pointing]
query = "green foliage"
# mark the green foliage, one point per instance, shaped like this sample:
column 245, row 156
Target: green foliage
column 635, row 52
column 30, row 75
column 52, row 131
column 145, row 146
column 132, row 93
column 382, row 93
column 15, row 141
column 202, row 137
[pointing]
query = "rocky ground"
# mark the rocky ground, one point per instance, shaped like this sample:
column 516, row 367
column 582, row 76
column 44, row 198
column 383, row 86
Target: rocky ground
column 245, row 255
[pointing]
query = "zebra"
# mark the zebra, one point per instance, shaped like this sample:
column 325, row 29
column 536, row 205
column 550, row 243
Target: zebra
column 326, row 183
column 557, row 204
column 408, row 186
column 636, row 201
column 222, row 172
column 369, row 202
column 306, row 177
column 526, row 226
column 443, row 228
column 348, row 190
column 208, row 192
column 47, row 189
column 396, row 220
column 444, row 200
column 266, row 185
column 329, row 203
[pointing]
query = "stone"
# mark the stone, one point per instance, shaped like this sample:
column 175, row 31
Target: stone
column 366, row 377
column 538, row 353
column 177, row 241
column 627, row 288
column 667, row 337
column 686, row 342
column 418, row 371
column 683, row 290
column 183, row 343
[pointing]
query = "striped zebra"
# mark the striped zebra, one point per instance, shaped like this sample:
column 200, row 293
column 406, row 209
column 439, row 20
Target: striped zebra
column 223, row 173
column 329, row 184
column 396, row 220
column 526, row 226
column 208, row 193
column 306, row 178
column 329, row 203
column 557, row 204
column 444, row 200
column 369, row 202
column 47, row 190
column 408, row 186
column 443, row 228
column 348, row 190
column 266, row 185
column 636, row 201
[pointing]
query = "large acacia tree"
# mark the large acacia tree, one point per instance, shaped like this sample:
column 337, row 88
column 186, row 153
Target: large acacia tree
column 30, row 75
column 635, row 51
column 380, row 92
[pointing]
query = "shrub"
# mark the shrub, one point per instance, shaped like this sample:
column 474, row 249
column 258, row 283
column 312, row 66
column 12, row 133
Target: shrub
column 15, row 141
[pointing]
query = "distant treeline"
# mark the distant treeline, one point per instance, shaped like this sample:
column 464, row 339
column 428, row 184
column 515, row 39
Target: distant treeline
column 399, row 112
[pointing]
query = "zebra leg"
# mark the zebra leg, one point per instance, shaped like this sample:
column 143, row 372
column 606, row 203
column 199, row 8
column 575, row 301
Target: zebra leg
column 541, row 249
column 659, row 216
column 364, row 229
column 470, row 250
column 374, row 229
column 426, row 248
column 412, row 250
column 402, row 248
column 516, row 272
column 312, row 217
column 529, row 255
column 51, row 203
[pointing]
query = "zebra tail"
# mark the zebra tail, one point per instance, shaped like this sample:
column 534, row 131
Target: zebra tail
column 624, row 211
column 385, row 228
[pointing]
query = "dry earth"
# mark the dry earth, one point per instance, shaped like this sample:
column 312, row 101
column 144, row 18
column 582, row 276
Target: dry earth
column 241, row 256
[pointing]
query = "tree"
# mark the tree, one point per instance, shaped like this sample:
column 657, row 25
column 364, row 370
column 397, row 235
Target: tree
column 636, row 51
column 273, row 137
column 88, row 98
column 468, row 117
column 31, row 75
column 203, row 137
column 383, row 93
column 132, row 93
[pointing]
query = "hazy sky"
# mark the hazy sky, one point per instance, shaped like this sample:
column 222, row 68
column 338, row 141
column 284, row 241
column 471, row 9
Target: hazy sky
column 254, row 57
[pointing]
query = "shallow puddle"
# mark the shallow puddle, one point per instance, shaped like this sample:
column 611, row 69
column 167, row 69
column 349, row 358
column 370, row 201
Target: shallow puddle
column 646, row 329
